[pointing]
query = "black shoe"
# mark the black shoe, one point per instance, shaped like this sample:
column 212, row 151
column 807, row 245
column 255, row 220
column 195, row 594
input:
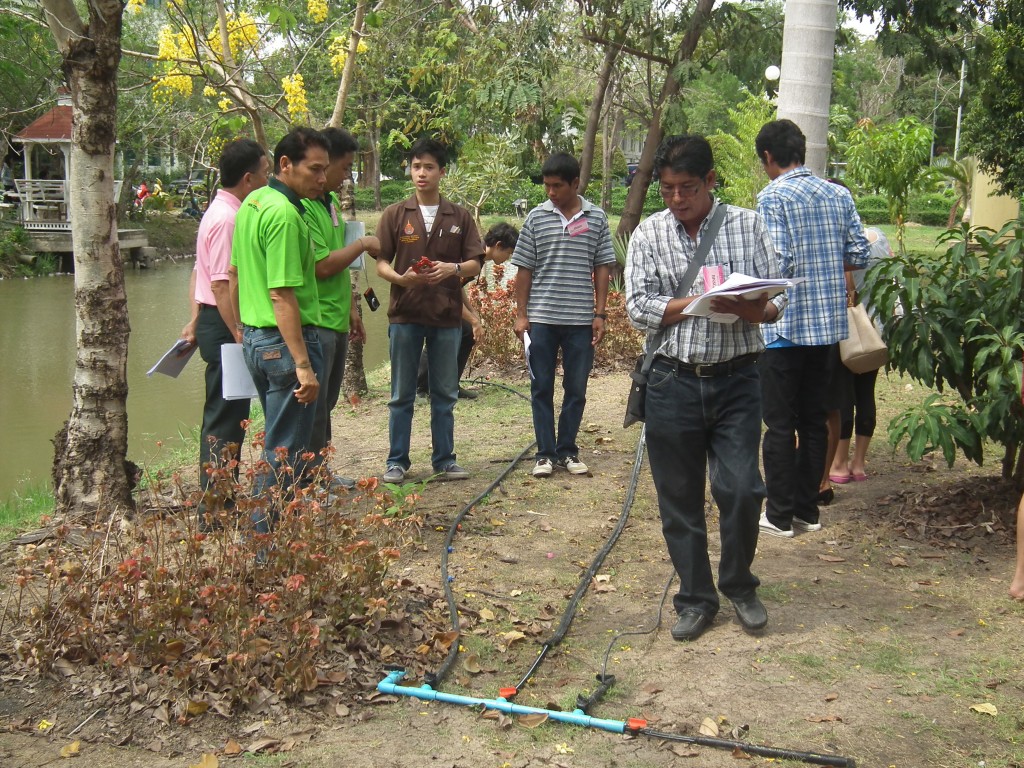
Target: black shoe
column 751, row 613
column 826, row 497
column 467, row 394
column 691, row 625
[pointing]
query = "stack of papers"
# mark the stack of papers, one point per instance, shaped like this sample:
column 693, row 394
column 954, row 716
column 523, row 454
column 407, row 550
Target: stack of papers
column 740, row 285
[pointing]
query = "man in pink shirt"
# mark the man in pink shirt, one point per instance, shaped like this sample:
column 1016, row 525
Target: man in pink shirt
column 243, row 168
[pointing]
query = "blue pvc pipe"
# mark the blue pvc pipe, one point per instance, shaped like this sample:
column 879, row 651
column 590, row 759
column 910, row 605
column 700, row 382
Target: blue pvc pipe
column 426, row 693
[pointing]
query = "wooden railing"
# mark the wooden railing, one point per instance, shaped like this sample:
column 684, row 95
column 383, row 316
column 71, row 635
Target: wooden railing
column 45, row 203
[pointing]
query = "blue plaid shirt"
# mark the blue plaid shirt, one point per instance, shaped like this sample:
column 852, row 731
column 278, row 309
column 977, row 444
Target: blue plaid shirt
column 815, row 230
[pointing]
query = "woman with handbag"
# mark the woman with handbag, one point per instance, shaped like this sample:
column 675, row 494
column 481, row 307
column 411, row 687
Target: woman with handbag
column 858, row 408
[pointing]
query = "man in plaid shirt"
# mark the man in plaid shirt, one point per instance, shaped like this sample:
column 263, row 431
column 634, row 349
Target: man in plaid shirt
column 817, row 234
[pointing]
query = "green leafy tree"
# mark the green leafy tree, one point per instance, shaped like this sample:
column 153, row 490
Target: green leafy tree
column 994, row 125
column 740, row 174
column 486, row 169
column 892, row 159
column 955, row 322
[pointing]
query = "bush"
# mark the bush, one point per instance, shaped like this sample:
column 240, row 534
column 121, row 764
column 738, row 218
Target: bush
column 497, row 308
column 955, row 322
column 219, row 618
column 391, row 192
column 931, row 210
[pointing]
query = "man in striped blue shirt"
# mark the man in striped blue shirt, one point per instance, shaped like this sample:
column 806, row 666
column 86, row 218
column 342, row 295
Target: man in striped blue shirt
column 817, row 234
column 564, row 255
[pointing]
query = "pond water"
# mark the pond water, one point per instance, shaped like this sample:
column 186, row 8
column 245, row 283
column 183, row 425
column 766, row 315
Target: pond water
column 38, row 347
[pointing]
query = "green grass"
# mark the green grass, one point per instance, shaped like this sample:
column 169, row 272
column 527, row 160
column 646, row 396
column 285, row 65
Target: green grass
column 919, row 239
column 23, row 509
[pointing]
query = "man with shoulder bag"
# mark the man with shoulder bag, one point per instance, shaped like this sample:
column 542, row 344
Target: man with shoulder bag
column 703, row 403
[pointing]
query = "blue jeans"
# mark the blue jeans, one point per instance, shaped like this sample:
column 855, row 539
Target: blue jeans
column 698, row 425
column 406, row 343
column 334, row 348
column 289, row 422
column 577, row 361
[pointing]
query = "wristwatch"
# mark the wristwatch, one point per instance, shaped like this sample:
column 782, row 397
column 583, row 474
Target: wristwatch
column 458, row 269
column 602, row 315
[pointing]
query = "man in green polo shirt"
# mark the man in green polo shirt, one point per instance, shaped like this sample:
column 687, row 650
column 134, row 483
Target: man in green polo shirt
column 339, row 317
column 279, row 306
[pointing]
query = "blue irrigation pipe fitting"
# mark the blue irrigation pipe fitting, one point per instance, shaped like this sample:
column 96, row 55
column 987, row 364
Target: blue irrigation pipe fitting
column 390, row 685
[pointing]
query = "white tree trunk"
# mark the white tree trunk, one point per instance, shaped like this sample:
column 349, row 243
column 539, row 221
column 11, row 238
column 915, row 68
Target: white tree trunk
column 805, row 86
column 90, row 473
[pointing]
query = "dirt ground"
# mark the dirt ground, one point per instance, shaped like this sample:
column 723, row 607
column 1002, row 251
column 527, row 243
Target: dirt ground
column 891, row 639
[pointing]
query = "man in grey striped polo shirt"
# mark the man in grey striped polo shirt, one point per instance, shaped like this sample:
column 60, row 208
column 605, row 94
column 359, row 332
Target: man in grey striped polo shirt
column 564, row 255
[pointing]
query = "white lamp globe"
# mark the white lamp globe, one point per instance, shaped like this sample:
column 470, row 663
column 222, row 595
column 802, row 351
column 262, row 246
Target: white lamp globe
column 772, row 73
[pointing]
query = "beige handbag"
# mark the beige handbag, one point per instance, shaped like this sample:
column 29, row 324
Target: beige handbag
column 863, row 350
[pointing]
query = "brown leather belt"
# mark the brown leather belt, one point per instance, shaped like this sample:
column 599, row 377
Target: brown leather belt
column 705, row 370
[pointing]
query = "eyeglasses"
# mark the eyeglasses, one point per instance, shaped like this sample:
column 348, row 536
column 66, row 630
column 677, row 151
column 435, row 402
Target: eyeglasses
column 684, row 191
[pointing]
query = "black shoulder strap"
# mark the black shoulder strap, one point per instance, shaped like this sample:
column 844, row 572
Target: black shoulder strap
column 703, row 249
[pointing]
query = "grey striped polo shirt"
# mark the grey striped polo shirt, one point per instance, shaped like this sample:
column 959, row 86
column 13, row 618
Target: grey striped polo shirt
column 562, row 259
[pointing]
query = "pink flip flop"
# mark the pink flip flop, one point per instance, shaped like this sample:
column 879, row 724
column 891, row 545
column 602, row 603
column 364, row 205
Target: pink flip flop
column 839, row 479
column 860, row 477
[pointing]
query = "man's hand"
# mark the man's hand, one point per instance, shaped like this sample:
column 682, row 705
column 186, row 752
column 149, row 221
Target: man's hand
column 308, row 387
column 413, row 279
column 188, row 333
column 598, row 328
column 751, row 310
column 356, row 329
column 522, row 326
column 478, row 331
column 440, row 271
column 371, row 245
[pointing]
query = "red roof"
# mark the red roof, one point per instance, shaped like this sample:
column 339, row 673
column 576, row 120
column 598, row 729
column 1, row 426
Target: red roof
column 55, row 125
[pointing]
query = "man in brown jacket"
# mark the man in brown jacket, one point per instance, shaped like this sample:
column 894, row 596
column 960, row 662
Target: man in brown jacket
column 428, row 245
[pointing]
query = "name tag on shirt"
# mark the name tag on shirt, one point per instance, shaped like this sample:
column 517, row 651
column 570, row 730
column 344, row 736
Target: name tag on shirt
column 455, row 229
column 578, row 227
column 713, row 277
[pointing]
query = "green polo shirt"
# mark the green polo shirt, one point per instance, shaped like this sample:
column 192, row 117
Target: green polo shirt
column 327, row 230
column 271, row 248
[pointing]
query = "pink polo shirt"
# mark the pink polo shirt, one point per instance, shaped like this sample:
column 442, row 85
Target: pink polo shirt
column 213, row 245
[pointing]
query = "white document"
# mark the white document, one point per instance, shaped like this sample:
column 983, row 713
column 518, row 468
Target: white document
column 174, row 360
column 353, row 231
column 237, row 382
column 738, row 285
column 526, row 353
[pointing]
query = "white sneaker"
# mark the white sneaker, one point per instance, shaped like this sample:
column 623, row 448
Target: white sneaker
column 542, row 468
column 771, row 529
column 804, row 527
column 573, row 465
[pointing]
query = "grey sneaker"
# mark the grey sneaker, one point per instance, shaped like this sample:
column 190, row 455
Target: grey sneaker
column 573, row 465
column 454, row 472
column 394, row 474
column 771, row 529
column 542, row 468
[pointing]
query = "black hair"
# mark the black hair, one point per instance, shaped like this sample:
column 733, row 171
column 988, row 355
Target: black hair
column 239, row 157
column 684, row 153
column 785, row 141
column 296, row 143
column 431, row 147
column 562, row 165
column 339, row 142
column 502, row 234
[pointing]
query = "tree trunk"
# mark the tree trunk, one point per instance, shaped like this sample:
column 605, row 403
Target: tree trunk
column 91, row 475
column 350, row 67
column 604, row 75
column 805, row 86
column 655, row 133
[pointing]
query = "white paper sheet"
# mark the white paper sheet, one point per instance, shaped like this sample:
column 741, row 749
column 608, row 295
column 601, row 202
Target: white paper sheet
column 741, row 285
column 353, row 231
column 174, row 359
column 237, row 382
column 526, row 352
